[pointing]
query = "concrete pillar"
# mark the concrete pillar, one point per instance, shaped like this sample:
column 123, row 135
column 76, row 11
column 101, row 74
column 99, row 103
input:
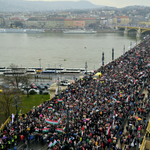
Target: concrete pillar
column 126, row 31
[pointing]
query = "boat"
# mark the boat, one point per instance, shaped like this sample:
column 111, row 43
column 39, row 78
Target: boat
column 31, row 71
column 22, row 30
column 4, row 70
column 79, row 31
column 57, row 70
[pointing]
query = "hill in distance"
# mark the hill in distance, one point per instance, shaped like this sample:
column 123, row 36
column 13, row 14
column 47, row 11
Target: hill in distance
column 22, row 5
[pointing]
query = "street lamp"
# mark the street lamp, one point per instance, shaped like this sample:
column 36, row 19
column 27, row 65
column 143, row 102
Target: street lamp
column 40, row 67
column 67, row 121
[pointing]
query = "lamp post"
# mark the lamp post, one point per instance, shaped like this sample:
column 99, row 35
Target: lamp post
column 40, row 67
column 67, row 127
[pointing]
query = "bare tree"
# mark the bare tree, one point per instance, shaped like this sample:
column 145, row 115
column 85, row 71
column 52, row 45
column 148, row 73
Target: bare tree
column 6, row 99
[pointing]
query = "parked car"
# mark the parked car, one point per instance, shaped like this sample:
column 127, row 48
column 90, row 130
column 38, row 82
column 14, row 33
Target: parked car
column 33, row 86
column 65, row 83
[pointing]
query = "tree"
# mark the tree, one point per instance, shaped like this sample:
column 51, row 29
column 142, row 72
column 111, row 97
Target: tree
column 6, row 99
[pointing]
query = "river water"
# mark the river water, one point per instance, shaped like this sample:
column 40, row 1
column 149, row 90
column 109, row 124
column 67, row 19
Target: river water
column 25, row 50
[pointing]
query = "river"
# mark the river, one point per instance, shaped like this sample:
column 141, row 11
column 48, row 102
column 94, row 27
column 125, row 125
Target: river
column 25, row 50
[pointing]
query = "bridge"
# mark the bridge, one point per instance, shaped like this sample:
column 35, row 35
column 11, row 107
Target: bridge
column 139, row 30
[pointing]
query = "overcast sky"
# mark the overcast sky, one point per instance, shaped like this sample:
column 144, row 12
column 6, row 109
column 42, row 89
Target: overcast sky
column 115, row 3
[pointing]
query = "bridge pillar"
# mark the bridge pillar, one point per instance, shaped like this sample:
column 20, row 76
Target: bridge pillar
column 138, row 34
column 116, row 27
column 126, row 31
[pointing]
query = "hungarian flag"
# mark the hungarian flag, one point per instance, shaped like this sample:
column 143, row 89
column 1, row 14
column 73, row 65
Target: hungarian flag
column 0, row 141
column 50, row 108
column 64, row 128
column 95, row 102
column 51, row 122
column 59, row 120
column 135, row 81
column 54, row 142
column 45, row 130
column 59, row 100
column 127, row 99
column 50, row 144
column 142, row 76
column 37, row 129
column 148, row 65
column 82, row 133
column 108, row 130
column 59, row 130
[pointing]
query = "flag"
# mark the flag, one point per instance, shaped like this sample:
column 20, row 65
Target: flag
column 54, row 142
column 95, row 102
column 45, row 130
column 59, row 120
column 142, row 76
column 50, row 144
column 59, row 100
column 64, row 128
column 107, row 132
column 12, row 116
column 135, row 81
column 53, row 122
column 59, row 130
column 50, row 108
column 127, row 99
column 148, row 65
column 37, row 129
column 53, row 110
column 82, row 133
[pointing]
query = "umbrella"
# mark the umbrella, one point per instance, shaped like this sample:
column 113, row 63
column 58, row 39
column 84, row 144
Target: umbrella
column 136, row 117
column 139, row 119
column 84, row 120
column 75, row 134
column 118, row 101
column 87, row 119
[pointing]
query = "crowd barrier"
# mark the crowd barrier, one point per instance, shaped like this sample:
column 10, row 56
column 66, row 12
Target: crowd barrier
column 144, row 139
column 6, row 122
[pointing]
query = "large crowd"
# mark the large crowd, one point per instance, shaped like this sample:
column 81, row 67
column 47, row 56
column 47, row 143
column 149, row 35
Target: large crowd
column 92, row 114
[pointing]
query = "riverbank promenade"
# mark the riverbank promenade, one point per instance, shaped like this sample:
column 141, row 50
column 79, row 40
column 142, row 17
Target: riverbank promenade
column 104, row 113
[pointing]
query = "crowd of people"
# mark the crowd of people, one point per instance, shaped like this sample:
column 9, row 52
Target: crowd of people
column 92, row 114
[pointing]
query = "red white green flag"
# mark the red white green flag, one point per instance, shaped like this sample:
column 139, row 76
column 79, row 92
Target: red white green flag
column 50, row 144
column 50, row 108
column 127, row 99
column 108, row 130
column 59, row 130
column 59, row 100
column 37, row 129
column 82, row 133
column 45, row 130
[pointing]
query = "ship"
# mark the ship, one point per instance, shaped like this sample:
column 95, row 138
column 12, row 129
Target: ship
column 22, row 30
column 79, row 31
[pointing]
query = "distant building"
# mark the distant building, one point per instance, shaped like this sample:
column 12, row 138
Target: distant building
column 68, row 23
column 89, row 21
column 121, row 20
column 2, row 21
column 103, row 20
column 78, row 23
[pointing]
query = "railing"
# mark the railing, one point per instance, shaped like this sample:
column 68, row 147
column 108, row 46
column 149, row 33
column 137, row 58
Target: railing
column 144, row 139
column 6, row 122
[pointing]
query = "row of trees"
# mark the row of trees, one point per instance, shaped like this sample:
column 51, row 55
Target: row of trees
column 11, row 88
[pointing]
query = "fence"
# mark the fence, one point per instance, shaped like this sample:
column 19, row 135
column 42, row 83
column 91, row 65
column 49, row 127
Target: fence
column 6, row 122
column 144, row 139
